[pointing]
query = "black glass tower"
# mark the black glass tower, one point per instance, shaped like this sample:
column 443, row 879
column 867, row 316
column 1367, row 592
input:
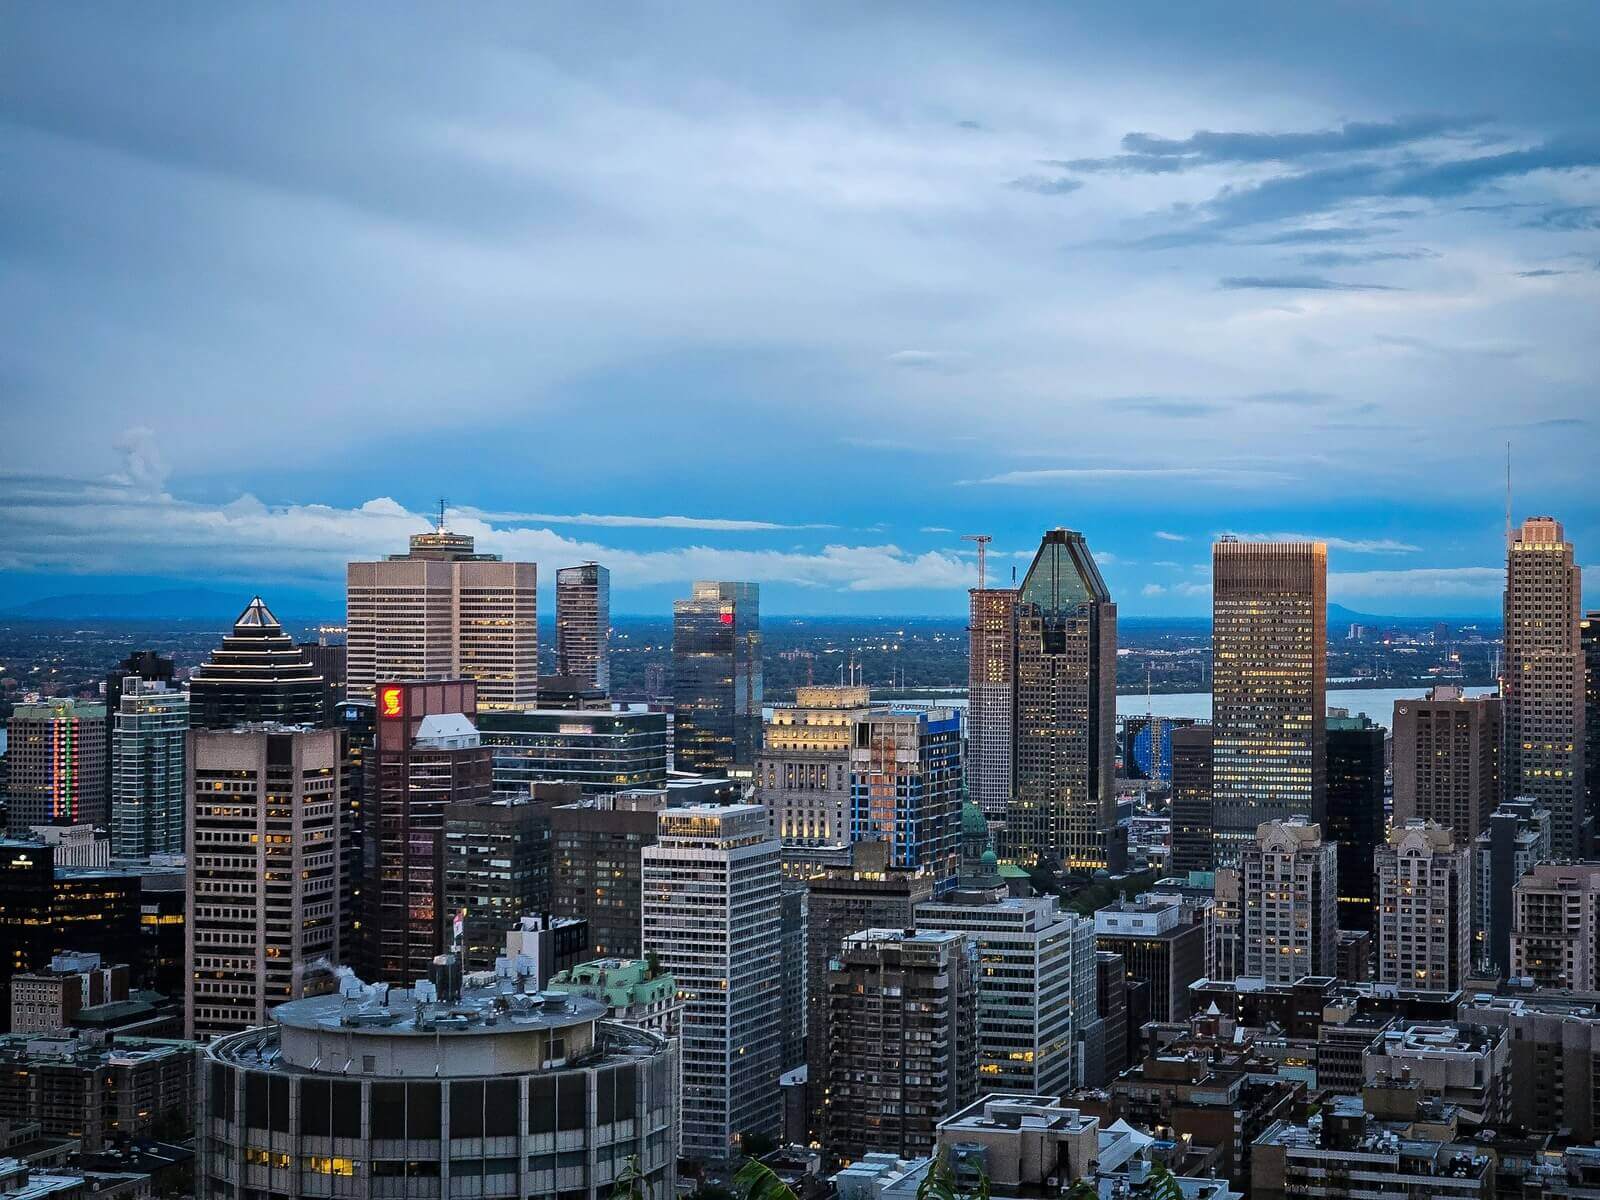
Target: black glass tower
column 1355, row 812
column 716, row 661
column 257, row 674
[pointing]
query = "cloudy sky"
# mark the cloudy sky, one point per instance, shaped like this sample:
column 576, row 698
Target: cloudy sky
column 797, row 294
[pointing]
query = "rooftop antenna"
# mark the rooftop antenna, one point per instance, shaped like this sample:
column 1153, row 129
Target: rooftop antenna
column 440, row 526
column 983, row 540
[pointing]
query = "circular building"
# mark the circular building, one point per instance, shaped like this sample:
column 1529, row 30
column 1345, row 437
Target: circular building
column 498, row 1090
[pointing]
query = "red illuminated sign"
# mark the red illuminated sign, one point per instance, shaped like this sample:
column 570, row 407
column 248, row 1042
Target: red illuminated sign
column 389, row 699
column 727, row 618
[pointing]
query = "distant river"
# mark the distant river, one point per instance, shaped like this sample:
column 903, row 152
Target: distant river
column 1376, row 703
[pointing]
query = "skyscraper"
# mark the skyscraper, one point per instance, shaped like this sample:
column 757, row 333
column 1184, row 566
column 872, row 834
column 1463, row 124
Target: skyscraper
column 1191, row 798
column 991, row 698
column 1424, row 912
column 1447, row 760
column 1555, row 926
column 1589, row 639
column 257, row 674
column 1064, row 803
column 1543, row 680
column 56, row 753
column 1355, row 819
column 583, row 624
column 712, row 916
column 496, row 870
column 1269, row 630
column 142, row 664
column 1516, row 839
column 263, row 870
column 1288, row 891
column 428, row 757
column 905, row 788
column 444, row 611
column 148, row 731
column 595, row 866
column 716, row 660
column 803, row 771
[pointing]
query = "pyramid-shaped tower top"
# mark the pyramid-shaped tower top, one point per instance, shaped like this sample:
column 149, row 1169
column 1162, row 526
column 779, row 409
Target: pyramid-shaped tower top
column 1063, row 575
column 257, row 615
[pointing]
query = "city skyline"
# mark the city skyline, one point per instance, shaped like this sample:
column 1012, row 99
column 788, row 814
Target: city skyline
column 1280, row 272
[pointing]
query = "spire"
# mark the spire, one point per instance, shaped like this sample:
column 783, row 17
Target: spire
column 257, row 615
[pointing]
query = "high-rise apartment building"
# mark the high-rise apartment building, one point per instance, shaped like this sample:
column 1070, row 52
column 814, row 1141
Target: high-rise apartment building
column 428, row 757
column 712, row 916
column 141, row 664
column 496, row 870
column 1288, row 890
column 1063, row 805
column 1355, row 819
column 148, row 731
column 583, row 624
column 1191, row 798
column 1555, row 926
column 1447, row 760
column 991, row 698
column 803, row 771
column 263, row 870
column 905, row 788
column 1036, row 985
column 1516, row 838
column 56, row 756
column 1269, row 654
column 716, row 665
column 866, row 894
column 443, row 611
column 1424, row 911
column 257, row 674
column 900, row 1039
column 1543, row 680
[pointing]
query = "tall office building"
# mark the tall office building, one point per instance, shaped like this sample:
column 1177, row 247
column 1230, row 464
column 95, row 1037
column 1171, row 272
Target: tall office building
column 991, row 698
column 1035, row 985
column 27, row 893
column 712, row 915
column 596, row 874
column 428, row 757
column 443, row 611
column 1191, row 799
column 792, row 956
column 141, row 664
column 583, row 624
column 866, row 894
column 1355, row 818
column 257, row 674
column 716, row 663
column 803, row 771
column 496, row 870
column 1543, row 680
column 263, row 870
column 1555, row 926
column 1516, row 839
column 1269, row 654
column 1589, row 639
column 56, row 754
column 905, row 788
column 1288, row 890
column 1447, row 760
column 1158, row 948
column 602, row 752
column 1424, row 911
column 1063, row 805
column 900, row 1040
column 148, row 731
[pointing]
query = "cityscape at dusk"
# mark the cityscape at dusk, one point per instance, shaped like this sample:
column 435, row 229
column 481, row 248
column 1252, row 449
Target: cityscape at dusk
column 800, row 602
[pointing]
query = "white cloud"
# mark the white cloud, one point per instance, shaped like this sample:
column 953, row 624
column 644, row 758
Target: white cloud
column 1152, row 589
column 725, row 524
column 1353, row 545
column 1419, row 581
column 935, row 529
column 1221, row 476
column 1170, row 537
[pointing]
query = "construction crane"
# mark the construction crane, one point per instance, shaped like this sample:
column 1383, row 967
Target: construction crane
column 983, row 540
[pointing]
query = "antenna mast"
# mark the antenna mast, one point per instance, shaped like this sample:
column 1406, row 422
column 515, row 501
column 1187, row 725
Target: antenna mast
column 983, row 540
column 441, row 514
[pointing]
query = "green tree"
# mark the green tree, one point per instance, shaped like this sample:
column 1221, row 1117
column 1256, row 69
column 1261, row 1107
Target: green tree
column 630, row 1181
column 1082, row 1190
column 756, row 1181
column 1163, row 1184
column 940, row 1182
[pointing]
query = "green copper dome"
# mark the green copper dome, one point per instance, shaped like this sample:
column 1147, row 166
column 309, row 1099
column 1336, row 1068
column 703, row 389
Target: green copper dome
column 972, row 820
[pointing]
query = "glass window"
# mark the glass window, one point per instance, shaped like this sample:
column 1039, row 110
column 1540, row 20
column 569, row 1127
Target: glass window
column 422, row 1110
column 466, row 1110
column 500, row 1108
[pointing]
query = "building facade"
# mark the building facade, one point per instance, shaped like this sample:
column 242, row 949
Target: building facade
column 1555, row 926
column 263, row 870
column 496, row 870
column 145, row 665
column 1355, row 818
column 1447, row 760
column 1063, row 802
column 1288, row 889
column 583, row 624
column 148, row 730
column 1515, row 840
column 1543, row 681
column 1269, row 631
column 905, row 788
column 712, row 916
column 443, row 611
column 803, row 769
column 56, row 756
column 1158, row 948
column 991, row 698
column 1424, row 924
column 257, row 674
column 596, row 870
column 716, row 671
column 1191, row 798
column 602, row 752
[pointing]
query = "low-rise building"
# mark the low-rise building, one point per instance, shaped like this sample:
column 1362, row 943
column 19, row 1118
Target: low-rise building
column 48, row 1000
column 86, row 1087
column 1463, row 1065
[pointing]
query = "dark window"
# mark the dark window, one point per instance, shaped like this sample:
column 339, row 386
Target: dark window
column 500, row 1108
column 316, row 1113
column 427, row 1168
column 280, row 1104
column 466, row 1110
column 221, row 1092
column 499, row 1166
column 347, row 1110
column 605, row 1109
column 255, row 1099
column 542, row 1104
column 462, row 1168
column 388, row 1170
column 388, row 1110
column 572, row 1102
column 627, row 1092
column 422, row 1110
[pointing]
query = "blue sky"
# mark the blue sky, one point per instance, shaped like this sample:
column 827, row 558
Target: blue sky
column 798, row 294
